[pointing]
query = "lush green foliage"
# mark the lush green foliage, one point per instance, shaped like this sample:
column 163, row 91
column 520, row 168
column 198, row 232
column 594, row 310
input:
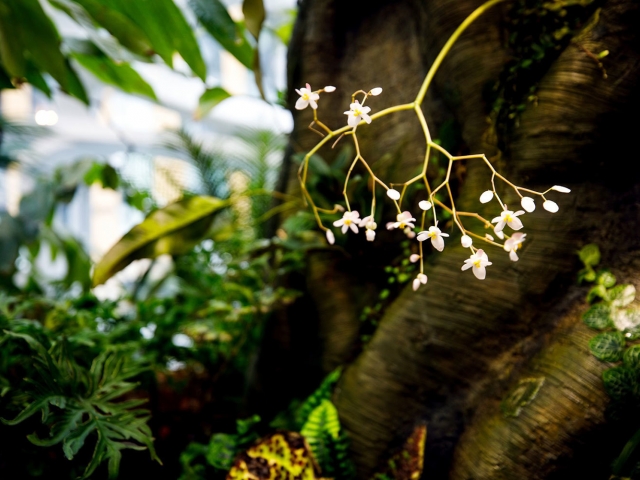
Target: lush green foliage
column 614, row 314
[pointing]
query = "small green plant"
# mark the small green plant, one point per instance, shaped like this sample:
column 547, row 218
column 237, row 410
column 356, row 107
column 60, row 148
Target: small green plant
column 613, row 314
column 80, row 404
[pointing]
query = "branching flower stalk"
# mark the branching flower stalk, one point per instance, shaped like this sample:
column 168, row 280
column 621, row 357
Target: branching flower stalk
column 358, row 115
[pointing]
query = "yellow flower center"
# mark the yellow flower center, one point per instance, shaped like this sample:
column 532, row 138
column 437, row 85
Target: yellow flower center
column 477, row 263
column 347, row 222
column 357, row 112
column 305, row 96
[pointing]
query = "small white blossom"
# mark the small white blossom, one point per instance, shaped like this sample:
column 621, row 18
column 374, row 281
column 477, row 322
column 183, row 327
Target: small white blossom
column 307, row 97
column 528, row 204
column 376, row 91
column 404, row 220
column 425, row 205
column 414, row 258
column 488, row 237
column 478, row 261
column 331, row 238
column 507, row 217
column 329, row 89
column 561, row 189
column 370, row 225
column 513, row 244
column 348, row 221
column 486, row 196
column 339, row 208
column 420, row 279
column 435, row 235
column 550, row 206
column 357, row 113
column 466, row 241
column 393, row 194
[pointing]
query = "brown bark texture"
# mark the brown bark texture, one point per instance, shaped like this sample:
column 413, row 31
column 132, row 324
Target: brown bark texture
column 448, row 354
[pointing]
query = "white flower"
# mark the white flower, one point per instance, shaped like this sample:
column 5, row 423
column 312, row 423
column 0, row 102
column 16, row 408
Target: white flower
column 435, row 235
column 404, row 220
column 357, row 113
column 528, row 204
column 331, row 238
column 409, row 232
column 425, row 205
column 348, row 221
column 478, row 261
column 414, row 258
column 306, row 97
column 338, row 208
column 370, row 225
column 507, row 217
column 560, row 189
column 513, row 244
column 376, row 91
column 329, row 89
column 466, row 241
column 488, row 237
column 486, row 196
column 420, row 279
column 550, row 206
column 393, row 194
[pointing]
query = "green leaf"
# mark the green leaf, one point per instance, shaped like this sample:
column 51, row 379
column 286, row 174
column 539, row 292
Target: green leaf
column 11, row 50
column 120, row 75
column 40, row 39
column 606, row 278
column 598, row 316
column 608, row 346
column 223, row 448
column 168, row 230
column 254, row 15
column 618, row 381
column 213, row 15
column 523, row 394
column 74, row 86
column 209, row 99
column 590, row 255
column 599, row 291
column 621, row 295
column 121, row 27
column 631, row 357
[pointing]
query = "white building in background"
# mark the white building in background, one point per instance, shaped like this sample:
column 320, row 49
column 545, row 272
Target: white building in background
column 128, row 131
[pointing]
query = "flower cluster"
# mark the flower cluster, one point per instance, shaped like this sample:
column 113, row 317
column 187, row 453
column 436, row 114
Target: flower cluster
column 478, row 261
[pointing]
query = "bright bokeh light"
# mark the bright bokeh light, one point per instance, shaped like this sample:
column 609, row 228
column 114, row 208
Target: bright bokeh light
column 46, row 117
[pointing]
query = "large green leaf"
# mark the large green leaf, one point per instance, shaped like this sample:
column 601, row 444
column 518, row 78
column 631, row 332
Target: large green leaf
column 209, row 99
column 119, row 25
column 213, row 15
column 168, row 31
column 119, row 74
column 608, row 346
column 40, row 39
column 173, row 230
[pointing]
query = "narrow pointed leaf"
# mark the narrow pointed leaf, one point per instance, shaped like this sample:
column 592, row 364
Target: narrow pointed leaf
column 254, row 15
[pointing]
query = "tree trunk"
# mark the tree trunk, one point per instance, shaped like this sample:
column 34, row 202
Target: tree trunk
column 449, row 353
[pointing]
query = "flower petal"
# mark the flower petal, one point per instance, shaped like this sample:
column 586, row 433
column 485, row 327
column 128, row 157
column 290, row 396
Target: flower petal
column 550, row 206
column 561, row 189
column 466, row 266
column 313, row 103
column 500, row 226
column 345, row 227
column 329, row 89
column 414, row 258
column 438, row 243
column 466, row 241
column 480, row 272
column 376, row 91
column 366, row 117
column 371, row 235
column 339, row 222
column 301, row 104
column 513, row 256
column 416, row 284
column 515, row 223
column 486, row 196
column 354, row 228
column 422, row 236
